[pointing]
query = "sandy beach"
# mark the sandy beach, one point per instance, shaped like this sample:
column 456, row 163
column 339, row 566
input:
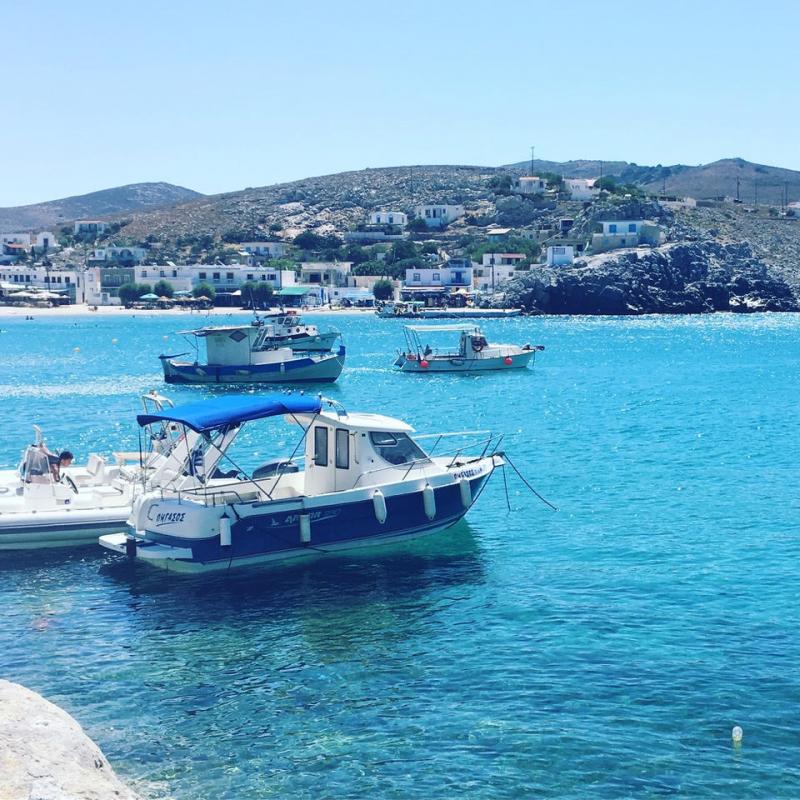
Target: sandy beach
column 120, row 311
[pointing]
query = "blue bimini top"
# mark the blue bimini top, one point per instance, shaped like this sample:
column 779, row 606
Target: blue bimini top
column 210, row 414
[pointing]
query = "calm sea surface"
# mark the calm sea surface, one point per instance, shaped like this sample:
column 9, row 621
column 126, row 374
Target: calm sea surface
column 604, row 651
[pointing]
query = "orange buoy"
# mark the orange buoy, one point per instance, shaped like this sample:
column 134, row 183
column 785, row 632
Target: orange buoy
column 508, row 361
column 424, row 364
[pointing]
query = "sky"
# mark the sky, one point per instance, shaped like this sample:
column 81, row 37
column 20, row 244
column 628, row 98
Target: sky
column 218, row 96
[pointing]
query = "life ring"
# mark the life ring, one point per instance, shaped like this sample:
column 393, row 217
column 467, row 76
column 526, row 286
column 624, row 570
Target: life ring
column 4, row 489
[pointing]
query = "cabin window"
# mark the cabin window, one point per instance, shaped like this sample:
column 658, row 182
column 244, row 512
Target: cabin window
column 342, row 449
column 396, row 448
column 321, row 446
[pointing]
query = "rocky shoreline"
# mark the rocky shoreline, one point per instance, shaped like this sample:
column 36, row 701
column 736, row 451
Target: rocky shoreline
column 45, row 755
column 686, row 278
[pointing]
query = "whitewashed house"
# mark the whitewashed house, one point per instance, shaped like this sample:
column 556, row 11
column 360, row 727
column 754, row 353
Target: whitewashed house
column 495, row 269
column 441, row 276
column 269, row 249
column 117, row 255
column 560, row 255
column 530, row 185
column 16, row 238
column 44, row 240
column 67, row 282
column 581, row 188
column 89, row 227
column 396, row 218
column 325, row 273
column 626, row 233
column 437, row 216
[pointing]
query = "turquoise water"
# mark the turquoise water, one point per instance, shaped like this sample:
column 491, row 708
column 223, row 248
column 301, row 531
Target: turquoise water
column 604, row 651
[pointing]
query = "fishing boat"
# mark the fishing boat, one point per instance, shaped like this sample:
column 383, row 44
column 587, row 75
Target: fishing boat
column 72, row 505
column 472, row 353
column 247, row 354
column 287, row 329
column 364, row 481
column 416, row 309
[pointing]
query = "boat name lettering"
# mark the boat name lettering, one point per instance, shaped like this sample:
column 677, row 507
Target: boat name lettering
column 467, row 473
column 171, row 516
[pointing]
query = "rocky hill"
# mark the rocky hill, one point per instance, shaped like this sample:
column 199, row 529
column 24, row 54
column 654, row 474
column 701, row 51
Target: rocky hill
column 730, row 177
column 121, row 200
column 326, row 204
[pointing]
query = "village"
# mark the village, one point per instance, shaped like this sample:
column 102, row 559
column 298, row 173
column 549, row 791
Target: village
column 433, row 254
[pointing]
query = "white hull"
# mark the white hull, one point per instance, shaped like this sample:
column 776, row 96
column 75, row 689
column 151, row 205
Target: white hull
column 58, row 528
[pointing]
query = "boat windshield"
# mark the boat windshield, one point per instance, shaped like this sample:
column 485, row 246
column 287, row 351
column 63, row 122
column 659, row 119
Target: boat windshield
column 396, row 448
column 36, row 466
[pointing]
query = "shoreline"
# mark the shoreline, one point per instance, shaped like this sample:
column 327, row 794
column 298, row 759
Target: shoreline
column 120, row 311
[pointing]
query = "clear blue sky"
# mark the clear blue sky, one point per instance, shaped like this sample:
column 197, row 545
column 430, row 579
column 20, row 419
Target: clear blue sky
column 218, row 96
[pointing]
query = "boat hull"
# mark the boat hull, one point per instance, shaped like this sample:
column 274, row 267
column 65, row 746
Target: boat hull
column 298, row 370
column 276, row 533
column 468, row 365
column 53, row 529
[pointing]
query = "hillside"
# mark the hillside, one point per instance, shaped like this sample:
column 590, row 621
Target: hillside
column 105, row 203
column 329, row 203
column 718, row 179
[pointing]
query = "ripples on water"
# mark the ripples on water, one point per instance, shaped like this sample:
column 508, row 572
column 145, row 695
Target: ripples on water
column 604, row 651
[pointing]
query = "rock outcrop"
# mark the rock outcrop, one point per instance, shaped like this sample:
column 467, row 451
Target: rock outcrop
column 45, row 755
column 692, row 278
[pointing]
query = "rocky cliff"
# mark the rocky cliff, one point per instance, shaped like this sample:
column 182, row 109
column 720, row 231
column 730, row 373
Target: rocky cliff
column 692, row 278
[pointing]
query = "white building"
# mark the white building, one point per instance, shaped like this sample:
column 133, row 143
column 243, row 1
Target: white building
column 530, row 185
column 437, row 216
column 626, row 233
column 117, row 255
column 397, row 218
column 560, row 255
column 503, row 259
column 264, row 249
column 581, row 188
column 489, row 276
column 69, row 282
column 16, row 238
column 793, row 209
column 89, row 227
column 325, row 273
column 440, row 277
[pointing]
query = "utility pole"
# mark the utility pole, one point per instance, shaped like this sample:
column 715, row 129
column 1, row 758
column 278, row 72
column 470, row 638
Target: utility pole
column 755, row 193
column 737, row 189
column 785, row 195
column 533, row 151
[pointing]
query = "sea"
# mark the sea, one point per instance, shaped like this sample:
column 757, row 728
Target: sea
column 603, row 650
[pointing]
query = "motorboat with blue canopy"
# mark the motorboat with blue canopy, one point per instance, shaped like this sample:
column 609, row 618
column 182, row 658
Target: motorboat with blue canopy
column 424, row 353
column 352, row 480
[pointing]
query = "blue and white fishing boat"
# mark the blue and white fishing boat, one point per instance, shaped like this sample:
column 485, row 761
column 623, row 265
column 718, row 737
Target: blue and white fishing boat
column 247, row 354
column 472, row 353
column 365, row 481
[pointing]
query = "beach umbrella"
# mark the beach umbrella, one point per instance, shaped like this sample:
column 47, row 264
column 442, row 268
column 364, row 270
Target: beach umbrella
column 149, row 296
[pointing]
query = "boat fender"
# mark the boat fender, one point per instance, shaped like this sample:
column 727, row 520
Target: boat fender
column 225, row 531
column 305, row 528
column 508, row 361
column 429, row 501
column 130, row 547
column 379, row 504
column 466, row 492
column 424, row 364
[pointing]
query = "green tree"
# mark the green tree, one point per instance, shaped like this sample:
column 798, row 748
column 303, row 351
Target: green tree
column 164, row 288
column 128, row 293
column 356, row 254
column 418, row 225
column 370, row 268
column 500, row 184
column 382, row 289
column 204, row 290
column 402, row 250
